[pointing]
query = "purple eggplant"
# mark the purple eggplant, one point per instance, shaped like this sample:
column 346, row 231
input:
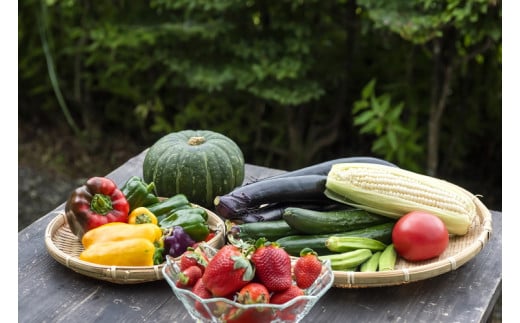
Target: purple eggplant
column 246, row 198
column 324, row 167
column 305, row 185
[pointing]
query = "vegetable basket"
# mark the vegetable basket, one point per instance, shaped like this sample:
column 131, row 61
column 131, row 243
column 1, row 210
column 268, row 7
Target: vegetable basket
column 65, row 248
column 460, row 250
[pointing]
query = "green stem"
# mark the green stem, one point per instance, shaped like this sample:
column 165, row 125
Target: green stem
column 101, row 204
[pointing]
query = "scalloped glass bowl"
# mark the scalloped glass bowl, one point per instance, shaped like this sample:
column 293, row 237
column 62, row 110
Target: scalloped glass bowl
column 222, row 309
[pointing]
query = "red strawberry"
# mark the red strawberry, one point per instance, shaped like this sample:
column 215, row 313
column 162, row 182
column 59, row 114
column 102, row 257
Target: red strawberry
column 253, row 293
column 286, row 295
column 272, row 265
column 227, row 272
column 201, row 291
column 249, row 315
column 307, row 268
column 193, row 257
column 188, row 277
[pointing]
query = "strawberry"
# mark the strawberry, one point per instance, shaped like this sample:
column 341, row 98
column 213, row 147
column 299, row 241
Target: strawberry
column 249, row 315
column 286, row 295
column 201, row 291
column 193, row 257
column 227, row 272
column 253, row 293
column 188, row 277
column 307, row 268
column 272, row 265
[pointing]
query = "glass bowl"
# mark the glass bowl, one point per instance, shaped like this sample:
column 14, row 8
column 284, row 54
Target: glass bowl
column 220, row 309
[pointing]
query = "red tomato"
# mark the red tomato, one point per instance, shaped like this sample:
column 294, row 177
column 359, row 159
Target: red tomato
column 419, row 236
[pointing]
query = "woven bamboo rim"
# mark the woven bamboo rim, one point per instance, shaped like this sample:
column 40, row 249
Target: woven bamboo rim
column 460, row 250
column 65, row 248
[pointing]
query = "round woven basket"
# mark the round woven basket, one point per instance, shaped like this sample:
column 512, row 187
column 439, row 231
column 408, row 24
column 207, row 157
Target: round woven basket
column 459, row 251
column 65, row 247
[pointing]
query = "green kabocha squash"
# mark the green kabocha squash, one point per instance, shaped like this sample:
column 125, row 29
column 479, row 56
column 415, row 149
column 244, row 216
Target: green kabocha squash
column 200, row 164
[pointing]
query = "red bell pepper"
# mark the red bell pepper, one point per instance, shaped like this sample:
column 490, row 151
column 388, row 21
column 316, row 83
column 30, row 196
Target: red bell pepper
column 97, row 202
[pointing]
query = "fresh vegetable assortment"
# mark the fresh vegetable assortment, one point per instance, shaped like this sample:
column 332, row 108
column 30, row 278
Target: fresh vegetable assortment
column 303, row 186
column 360, row 213
column 136, row 231
column 364, row 226
column 352, row 214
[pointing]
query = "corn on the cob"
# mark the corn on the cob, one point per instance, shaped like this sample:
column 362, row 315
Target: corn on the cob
column 393, row 192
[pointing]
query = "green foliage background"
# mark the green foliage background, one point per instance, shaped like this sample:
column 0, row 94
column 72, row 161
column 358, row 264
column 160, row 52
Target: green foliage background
column 292, row 82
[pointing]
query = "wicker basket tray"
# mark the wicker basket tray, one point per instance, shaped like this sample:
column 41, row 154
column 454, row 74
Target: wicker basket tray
column 65, row 247
column 460, row 250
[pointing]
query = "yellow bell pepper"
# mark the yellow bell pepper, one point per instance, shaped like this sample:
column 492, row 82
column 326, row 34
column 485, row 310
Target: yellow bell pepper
column 117, row 231
column 128, row 252
column 142, row 215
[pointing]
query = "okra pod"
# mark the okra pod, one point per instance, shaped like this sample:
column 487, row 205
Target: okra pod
column 388, row 258
column 342, row 244
column 348, row 260
column 372, row 264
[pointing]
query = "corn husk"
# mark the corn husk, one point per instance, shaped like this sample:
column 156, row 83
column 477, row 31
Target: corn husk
column 393, row 192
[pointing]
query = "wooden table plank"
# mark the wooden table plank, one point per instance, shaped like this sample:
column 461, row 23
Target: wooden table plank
column 50, row 292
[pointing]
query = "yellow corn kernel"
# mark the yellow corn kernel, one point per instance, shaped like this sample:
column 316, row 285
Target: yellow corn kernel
column 393, row 192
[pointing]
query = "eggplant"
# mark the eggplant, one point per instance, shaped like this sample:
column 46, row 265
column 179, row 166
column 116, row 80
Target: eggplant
column 262, row 213
column 271, row 190
column 304, row 185
column 324, row 167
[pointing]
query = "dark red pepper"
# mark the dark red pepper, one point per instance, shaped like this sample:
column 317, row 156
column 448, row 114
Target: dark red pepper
column 97, row 202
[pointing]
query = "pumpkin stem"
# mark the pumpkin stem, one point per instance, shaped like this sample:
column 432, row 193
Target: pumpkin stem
column 195, row 141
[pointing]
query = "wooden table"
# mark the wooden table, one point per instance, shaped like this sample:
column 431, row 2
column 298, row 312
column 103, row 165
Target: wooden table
column 51, row 292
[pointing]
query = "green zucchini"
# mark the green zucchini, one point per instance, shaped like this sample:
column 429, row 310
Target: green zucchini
column 324, row 222
column 271, row 230
column 295, row 243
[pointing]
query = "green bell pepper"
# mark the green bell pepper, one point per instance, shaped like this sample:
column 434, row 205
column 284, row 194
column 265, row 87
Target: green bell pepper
column 172, row 204
column 193, row 220
column 138, row 193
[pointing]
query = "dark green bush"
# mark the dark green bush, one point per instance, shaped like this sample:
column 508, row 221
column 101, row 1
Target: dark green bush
column 279, row 78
